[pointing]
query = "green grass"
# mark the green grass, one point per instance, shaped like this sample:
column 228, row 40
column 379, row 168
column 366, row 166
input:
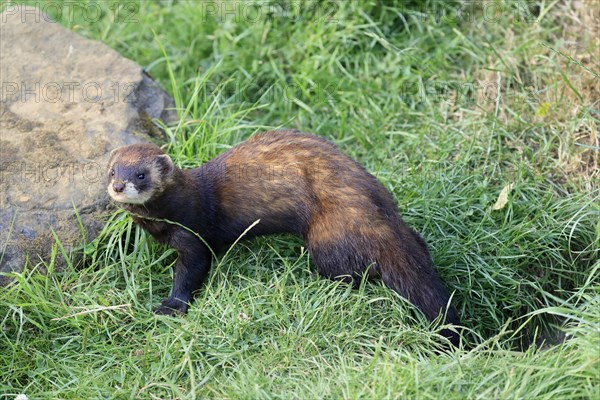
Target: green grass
column 410, row 90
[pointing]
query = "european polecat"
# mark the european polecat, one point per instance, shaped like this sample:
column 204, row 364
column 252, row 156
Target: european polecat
column 289, row 182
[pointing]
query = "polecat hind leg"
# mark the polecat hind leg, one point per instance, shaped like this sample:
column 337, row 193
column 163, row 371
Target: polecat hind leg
column 337, row 249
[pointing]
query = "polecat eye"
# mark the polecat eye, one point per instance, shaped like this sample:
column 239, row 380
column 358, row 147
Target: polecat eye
column 112, row 172
column 141, row 176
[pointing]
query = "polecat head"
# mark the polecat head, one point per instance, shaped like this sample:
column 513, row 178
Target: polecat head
column 138, row 172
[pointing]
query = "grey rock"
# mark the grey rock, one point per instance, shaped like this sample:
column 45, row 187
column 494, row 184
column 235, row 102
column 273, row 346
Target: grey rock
column 65, row 103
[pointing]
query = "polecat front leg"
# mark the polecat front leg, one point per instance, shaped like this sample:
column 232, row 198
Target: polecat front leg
column 191, row 267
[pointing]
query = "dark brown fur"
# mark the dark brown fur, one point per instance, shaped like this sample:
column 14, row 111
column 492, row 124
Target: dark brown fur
column 291, row 182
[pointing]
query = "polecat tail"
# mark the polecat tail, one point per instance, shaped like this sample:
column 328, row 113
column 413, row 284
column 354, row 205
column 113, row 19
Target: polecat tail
column 396, row 254
column 412, row 275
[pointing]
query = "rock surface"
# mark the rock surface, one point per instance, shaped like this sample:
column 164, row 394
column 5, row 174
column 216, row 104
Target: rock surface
column 65, row 103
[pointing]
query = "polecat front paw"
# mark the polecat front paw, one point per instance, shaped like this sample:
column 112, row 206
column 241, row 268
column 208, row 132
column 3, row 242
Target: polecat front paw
column 172, row 307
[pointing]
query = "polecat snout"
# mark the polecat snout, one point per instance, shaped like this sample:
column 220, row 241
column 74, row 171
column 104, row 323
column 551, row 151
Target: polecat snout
column 292, row 182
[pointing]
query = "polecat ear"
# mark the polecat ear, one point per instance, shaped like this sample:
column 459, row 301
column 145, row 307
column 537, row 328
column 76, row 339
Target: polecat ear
column 165, row 164
column 112, row 155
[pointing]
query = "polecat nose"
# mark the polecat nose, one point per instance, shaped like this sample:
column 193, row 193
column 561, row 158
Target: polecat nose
column 118, row 187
